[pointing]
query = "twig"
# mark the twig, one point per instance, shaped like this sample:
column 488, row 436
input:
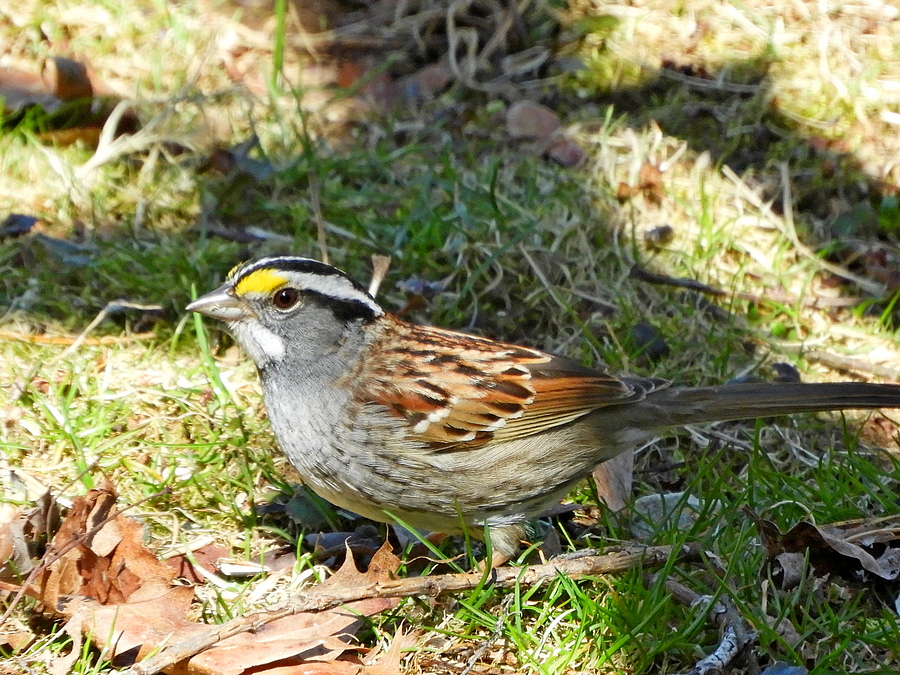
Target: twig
column 380, row 266
column 708, row 84
column 643, row 274
column 317, row 214
column 787, row 228
column 850, row 365
column 735, row 638
column 68, row 339
column 318, row 599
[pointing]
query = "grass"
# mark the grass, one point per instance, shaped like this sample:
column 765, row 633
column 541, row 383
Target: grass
column 523, row 251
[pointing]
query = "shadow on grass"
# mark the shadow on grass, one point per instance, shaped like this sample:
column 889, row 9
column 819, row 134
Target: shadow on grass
column 741, row 125
column 727, row 110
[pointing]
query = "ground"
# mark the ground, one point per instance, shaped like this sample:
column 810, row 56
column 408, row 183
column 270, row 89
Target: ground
column 721, row 195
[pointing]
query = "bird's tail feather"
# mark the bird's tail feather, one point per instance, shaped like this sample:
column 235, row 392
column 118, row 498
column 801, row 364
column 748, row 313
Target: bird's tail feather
column 693, row 405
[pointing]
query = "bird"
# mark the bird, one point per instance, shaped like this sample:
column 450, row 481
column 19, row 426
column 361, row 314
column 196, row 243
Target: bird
column 446, row 431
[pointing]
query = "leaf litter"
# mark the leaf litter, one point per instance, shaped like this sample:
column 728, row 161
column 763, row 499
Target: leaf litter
column 98, row 576
column 863, row 551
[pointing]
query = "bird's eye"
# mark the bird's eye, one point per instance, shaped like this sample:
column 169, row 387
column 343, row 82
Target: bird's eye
column 285, row 298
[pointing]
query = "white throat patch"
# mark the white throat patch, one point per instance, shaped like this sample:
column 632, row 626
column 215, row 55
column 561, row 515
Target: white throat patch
column 263, row 346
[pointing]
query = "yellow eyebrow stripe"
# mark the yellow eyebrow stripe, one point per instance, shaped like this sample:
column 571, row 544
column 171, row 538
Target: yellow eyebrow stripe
column 261, row 281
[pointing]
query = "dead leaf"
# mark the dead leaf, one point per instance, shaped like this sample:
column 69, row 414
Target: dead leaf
column 389, row 663
column 15, row 559
column 88, row 136
column 293, row 640
column 880, row 432
column 103, row 556
column 531, row 121
column 613, row 479
column 112, row 588
column 67, row 79
column 20, row 89
column 185, row 565
column 650, row 184
column 857, row 551
column 625, row 192
column 126, row 632
column 15, row 636
column 363, row 541
column 70, row 87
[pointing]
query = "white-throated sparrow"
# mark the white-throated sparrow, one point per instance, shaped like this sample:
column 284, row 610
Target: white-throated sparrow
column 446, row 430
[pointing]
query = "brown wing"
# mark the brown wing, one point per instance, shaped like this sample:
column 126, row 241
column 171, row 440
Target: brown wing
column 455, row 388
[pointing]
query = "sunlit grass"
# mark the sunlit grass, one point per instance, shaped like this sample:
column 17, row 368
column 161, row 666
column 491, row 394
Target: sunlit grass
column 522, row 251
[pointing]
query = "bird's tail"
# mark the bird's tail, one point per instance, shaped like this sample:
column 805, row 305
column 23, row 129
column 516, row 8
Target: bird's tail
column 692, row 405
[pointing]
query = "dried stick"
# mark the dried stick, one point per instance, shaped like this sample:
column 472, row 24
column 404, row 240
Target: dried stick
column 736, row 636
column 15, row 336
column 834, row 361
column 850, row 365
column 317, row 599
column 314, row 190
column 643, row 274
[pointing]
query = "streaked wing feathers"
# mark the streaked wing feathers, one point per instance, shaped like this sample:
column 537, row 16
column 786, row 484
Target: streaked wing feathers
column 460, row 390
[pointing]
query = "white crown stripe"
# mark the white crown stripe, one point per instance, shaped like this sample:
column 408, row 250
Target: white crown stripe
column 335, row 284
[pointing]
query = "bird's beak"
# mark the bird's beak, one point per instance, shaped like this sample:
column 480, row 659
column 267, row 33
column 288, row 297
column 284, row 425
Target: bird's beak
column 220, row 304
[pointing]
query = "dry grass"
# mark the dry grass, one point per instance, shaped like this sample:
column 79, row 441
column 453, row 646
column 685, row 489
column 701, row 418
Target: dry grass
column 769, row 123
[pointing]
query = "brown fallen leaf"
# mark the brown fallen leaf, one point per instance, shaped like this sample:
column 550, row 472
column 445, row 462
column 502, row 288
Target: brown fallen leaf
column 858, row 551
column 881, row 432
column 185, row 565
column 105, row 558
column 389, row 662
column 15, row 559
column 649, row 184
column 71, row 86
column 319, row 600
column 613, row 479
column 292, row 642
column 624, row 192
column 20, row 89
column 112, row 589
column 15, row 636
column 128, row 631
column 67, row 79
